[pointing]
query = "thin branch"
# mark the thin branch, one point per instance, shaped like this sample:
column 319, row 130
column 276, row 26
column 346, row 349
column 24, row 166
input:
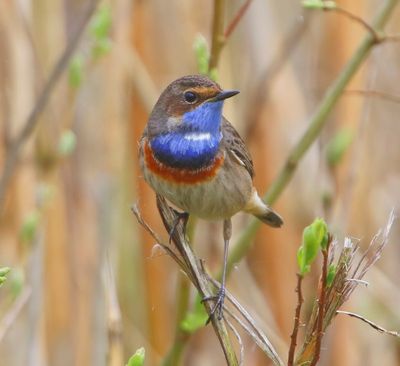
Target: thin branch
column 390, row 38
column 219, row 35
column 236, row 19
column 296, row 324
column 239, row 339
column 370, row 323
column 317, row 122
column 321, row 302
column 250, row 326
column 14, row 150
column 375, row 93
column 260, row 95
column 10, row 317
column 354, row 17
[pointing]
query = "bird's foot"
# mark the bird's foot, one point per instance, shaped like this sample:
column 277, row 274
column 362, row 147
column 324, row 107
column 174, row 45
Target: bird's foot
column 217, row 309
column 180, row 216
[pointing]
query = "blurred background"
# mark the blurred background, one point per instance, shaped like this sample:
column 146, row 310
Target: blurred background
column 86, row 286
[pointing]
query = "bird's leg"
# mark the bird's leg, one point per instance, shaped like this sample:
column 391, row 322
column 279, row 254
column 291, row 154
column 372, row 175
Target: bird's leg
column 179, row 216
column 220, row 296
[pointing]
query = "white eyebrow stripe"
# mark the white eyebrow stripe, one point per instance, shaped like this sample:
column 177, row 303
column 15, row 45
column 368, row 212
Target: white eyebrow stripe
column 197, row 136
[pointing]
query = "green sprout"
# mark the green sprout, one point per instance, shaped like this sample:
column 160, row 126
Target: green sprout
column 3, row 274
column 318, row 4
column 338, row 146
column 75, row 72
column 138, row 358
column 194, row 319
column 67, row 143
column 202, row 53
column 330, row 276
column 315, row 237
column 29, row 226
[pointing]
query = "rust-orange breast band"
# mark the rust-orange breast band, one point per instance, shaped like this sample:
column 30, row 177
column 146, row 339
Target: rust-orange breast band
column 179, row 176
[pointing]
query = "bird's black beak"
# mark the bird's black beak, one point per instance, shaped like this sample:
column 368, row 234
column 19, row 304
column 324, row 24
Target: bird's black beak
column 224, row 95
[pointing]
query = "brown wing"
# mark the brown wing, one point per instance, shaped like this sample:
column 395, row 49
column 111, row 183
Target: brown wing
column 233, row 142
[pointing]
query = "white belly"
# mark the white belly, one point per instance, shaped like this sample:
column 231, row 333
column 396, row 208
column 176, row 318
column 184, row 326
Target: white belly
column 219, row 198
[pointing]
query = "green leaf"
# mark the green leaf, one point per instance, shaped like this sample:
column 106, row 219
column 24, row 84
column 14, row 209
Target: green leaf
column 75, row 72
column 3, row 274
column 304, row 268
column 330, row 276
column 138, row 358
column 16, row 281
column 67, row 143
column 315, row 236
column 320, row 232
column 195, row 319
column 213, row 74
column 101, row 47
column 338, row 146
column 202, row 53
column 29, row 226
column 100, row 25
column 318, row 4
column 4, row 271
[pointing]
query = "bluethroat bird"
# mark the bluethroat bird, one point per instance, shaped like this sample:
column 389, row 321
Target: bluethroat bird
column 190, row 154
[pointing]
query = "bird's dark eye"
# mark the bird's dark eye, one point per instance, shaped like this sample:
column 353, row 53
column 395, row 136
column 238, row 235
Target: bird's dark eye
column 190, row 97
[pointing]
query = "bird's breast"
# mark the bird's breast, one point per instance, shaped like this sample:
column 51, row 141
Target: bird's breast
column 176, row 174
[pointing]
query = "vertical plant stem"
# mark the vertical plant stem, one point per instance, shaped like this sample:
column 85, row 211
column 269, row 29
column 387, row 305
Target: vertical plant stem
column 181, row 337
column 236, row 19
column 183, row 295
column 317, row 122
column 33, row 118
column 218, row 38
column 321, row 306
column 293, row 337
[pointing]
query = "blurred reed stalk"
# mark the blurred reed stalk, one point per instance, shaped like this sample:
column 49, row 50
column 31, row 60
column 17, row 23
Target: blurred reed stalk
column 317, row 122
column 14, row 149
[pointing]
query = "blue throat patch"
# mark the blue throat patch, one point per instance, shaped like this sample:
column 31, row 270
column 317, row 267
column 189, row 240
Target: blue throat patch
column 195, row 142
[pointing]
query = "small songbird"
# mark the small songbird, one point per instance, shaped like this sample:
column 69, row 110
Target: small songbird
column 191, row 155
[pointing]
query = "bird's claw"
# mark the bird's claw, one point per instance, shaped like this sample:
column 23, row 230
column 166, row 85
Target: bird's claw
column 218, row 304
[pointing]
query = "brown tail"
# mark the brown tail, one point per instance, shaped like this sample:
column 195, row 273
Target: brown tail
column 259, row 209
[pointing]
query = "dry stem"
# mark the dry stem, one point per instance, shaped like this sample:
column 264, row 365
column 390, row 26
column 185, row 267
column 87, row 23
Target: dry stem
column 14, row 150
column 293, row 337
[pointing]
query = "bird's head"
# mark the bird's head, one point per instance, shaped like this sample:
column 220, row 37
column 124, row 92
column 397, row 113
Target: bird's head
column 191, row 104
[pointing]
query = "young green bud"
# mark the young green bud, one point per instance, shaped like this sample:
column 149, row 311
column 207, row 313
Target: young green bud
column 138, row 358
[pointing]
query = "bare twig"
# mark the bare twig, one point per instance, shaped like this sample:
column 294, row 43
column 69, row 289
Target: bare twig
column 236, row 19
column 293, row 337
column 375, row 93
column 219, row 35
column 239, row 339
column 391, row 38
column 354, row 17
column 10, row 317
column 321, row 302
column 114, row 321
column 32, row 120
column 250, row 326
column 370, row 323
column 261, row 92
